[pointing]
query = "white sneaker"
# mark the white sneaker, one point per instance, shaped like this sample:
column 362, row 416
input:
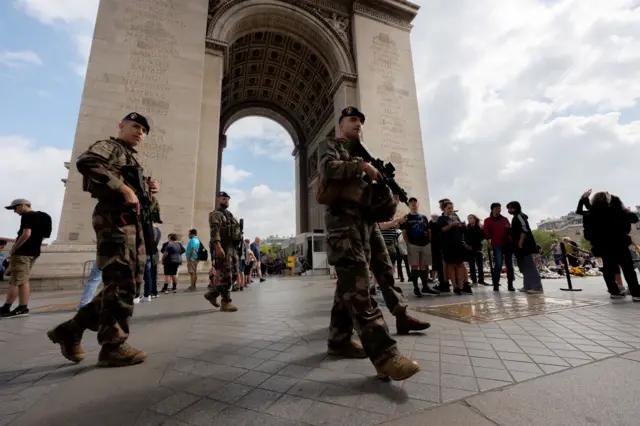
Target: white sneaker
column 136, row 300
column 146, row 299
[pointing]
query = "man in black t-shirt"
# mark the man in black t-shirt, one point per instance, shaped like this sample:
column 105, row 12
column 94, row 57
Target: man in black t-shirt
column 416, row 233
column 34, row 227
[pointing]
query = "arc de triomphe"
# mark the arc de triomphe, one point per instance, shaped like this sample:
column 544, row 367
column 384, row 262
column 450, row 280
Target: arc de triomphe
column 194, row 67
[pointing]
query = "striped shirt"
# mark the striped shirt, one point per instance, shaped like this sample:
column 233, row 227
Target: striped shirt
column 389, row 235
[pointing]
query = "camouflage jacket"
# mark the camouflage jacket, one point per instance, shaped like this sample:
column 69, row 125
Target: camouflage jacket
column 101, row 166
column 340, row 171
column 224, row 228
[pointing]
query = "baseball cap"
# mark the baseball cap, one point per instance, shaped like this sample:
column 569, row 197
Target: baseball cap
column 15, row 203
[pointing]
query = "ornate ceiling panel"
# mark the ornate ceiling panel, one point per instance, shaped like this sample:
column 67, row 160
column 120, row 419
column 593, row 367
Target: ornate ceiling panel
column 271, row 68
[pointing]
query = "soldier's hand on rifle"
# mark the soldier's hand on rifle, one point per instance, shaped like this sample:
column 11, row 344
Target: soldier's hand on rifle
column 219, row 250
column 154, row 186
column 372, row 172
column 130, row 197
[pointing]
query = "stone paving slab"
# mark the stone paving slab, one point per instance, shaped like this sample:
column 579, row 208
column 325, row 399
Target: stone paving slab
column 267, row 363
column 603, row 393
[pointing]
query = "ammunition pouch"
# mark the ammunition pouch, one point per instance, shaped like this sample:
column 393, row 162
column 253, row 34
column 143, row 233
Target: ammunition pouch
column 327, row 193
column 379, row 203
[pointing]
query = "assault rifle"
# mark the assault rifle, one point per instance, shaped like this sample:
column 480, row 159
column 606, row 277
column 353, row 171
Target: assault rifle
column 387, row 170
column 133, row 177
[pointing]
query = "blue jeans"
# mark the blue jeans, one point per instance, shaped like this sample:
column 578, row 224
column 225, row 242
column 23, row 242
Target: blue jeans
column 499, row 252
column 147, row 278
column 95, row 277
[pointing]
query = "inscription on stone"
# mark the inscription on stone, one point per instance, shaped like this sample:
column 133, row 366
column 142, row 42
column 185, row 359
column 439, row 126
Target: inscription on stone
column 150, row 28
column 386, row 64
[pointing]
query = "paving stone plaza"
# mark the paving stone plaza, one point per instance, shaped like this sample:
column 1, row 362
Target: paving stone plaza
column 574, row 362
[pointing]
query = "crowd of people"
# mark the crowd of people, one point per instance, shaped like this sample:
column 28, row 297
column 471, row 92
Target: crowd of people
column 444, row 251
column 453, row 249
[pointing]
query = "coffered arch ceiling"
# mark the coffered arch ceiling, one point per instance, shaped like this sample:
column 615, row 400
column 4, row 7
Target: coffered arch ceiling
column 283, row 56
column 277, row 71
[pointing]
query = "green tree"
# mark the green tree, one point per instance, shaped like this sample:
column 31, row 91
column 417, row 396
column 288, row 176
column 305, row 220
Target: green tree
column 545, row 240
column 584, row 243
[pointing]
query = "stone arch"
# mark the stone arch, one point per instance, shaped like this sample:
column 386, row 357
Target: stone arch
column 233, row 18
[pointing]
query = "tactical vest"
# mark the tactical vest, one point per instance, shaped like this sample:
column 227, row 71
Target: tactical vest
column 229, row 228
column 329, row 193
column 100, row 191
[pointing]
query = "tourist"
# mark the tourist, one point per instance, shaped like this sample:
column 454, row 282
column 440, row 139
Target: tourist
column 192, row 258
column 524, row 247
column 415, row 232
column 172, row 252
column 35, row 226
column 607, row 225
column 454, row 252
column 473, row 237
column 91, row 286
column 496, row 229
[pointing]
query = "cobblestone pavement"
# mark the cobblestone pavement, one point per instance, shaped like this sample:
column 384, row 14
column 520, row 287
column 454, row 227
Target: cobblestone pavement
column 267, row 363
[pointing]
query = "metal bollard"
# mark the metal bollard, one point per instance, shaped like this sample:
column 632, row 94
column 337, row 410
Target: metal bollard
column 566, row 269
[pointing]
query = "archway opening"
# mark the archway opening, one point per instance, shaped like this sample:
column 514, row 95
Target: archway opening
column 258, row 173
column 282, row 78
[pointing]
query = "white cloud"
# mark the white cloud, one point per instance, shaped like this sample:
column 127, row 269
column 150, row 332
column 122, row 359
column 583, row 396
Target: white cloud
column 264, row 211
column 263, row 137
column 23, row 172
column 19, row 58
column 76, row 16
column 231, row 174
column 522, row 100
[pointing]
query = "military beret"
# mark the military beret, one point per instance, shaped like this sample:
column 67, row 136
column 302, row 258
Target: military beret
column 223, row 194
column 140, row 119
column 351, row 112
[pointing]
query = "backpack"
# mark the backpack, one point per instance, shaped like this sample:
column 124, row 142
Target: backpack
column 203, row 254
column 45, row 223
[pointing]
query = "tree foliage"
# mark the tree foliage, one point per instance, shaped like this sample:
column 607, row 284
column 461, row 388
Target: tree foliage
column 545, row 240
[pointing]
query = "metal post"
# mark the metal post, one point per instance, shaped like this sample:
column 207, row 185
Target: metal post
column 566, row 269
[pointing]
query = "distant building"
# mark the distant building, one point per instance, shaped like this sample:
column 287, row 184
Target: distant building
column 275, row 239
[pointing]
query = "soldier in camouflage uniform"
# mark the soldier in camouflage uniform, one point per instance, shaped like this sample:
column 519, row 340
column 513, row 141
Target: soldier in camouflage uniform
column 225, row 237
column 120, row 248
column 355, row 245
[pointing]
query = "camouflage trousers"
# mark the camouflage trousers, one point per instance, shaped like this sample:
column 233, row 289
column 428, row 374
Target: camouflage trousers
column 121, row 257
column 353, row 247
column 227, row 269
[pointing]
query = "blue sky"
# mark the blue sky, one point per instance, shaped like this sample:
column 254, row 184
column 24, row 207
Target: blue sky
column 44, row 48
column 40, row 98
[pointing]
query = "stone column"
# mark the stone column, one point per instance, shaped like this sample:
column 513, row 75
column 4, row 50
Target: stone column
column 346, row 95
column 387, row 94
column 222, row 144
column 302, row 201
column 208, row 159
column 157, row 74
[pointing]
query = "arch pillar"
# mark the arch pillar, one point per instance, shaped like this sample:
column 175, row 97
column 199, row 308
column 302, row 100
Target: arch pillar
column 222, row 144
column 210, row 144
column 302, row 201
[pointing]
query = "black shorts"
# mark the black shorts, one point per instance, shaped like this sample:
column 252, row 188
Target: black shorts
column 247, row 268
column 171, row 268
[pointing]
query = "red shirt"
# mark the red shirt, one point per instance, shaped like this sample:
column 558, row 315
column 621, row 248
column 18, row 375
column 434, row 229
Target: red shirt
column 497, row 230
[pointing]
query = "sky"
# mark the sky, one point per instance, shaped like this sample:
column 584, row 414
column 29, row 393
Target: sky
column 528, row 100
